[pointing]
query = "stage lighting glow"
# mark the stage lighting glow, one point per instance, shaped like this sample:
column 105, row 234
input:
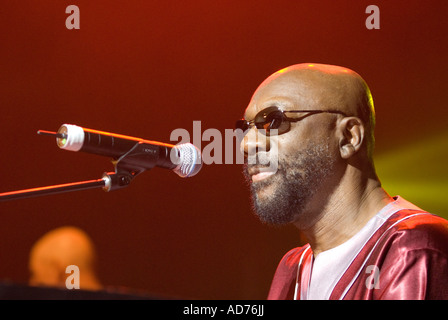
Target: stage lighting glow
column 418, row 172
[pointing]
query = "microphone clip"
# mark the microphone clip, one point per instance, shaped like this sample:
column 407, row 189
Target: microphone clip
column 138, row 159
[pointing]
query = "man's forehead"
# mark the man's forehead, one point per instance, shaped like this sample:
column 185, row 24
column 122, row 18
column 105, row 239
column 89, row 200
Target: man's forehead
column 305, row 86
column 286, row 91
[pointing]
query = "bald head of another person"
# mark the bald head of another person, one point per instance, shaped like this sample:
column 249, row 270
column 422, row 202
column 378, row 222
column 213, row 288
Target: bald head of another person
column 58, row 249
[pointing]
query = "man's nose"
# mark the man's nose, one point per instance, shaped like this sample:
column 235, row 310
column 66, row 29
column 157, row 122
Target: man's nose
column 254, row 141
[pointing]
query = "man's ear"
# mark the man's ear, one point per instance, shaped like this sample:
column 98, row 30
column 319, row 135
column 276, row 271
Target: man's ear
column 351, row 136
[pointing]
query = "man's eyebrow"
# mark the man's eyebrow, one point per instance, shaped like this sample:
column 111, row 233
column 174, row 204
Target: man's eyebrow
column 279, row 102
column 274, row 102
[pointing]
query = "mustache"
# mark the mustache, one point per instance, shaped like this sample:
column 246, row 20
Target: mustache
column 261, row 162
column 261, row 158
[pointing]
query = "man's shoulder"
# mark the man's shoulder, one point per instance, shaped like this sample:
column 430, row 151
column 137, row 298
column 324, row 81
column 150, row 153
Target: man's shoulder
column 282, row 286
column 424, row 230
column 410, row 218
column 292, row 258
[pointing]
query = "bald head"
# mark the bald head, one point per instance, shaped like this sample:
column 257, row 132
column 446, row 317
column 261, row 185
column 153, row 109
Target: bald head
column 56, row 250
column 320, row 87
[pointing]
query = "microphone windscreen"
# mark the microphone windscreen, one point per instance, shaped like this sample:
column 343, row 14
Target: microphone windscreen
column 189, row 162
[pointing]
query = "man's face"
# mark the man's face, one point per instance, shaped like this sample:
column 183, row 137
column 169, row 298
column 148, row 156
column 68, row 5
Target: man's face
column 305, row 154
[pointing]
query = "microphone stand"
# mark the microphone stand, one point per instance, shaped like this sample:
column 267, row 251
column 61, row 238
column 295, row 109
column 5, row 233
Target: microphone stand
column 61, row 188
column 125, row 171
column 109, row 181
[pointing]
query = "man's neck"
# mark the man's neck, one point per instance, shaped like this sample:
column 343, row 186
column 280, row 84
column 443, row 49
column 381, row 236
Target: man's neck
column 346, row 211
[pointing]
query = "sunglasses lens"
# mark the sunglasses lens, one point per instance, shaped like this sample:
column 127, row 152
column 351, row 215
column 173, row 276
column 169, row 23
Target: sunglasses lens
column 271, row 118
column 266, row 120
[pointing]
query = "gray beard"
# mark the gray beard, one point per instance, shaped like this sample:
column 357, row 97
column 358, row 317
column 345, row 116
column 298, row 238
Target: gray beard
column 296, row 182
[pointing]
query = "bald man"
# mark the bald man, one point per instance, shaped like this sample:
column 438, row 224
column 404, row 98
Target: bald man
column 58, row 249
column 363, row 243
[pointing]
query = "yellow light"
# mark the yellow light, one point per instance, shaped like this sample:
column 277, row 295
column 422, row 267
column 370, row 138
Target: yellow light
column 418, row 173
column 282, row 70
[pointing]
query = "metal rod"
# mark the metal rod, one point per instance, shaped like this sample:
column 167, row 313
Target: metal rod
column 61, row 188
column 53, row 134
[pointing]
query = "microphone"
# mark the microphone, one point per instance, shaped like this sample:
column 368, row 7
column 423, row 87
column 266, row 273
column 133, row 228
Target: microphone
column 133, row 154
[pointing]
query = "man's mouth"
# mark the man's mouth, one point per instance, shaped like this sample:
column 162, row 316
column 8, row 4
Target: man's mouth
column 260, row 173
column 261, row 176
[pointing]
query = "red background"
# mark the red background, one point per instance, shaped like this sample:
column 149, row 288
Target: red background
column 145, row 68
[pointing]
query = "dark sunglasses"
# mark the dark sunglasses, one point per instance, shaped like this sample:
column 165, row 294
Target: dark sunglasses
column 275, row 118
